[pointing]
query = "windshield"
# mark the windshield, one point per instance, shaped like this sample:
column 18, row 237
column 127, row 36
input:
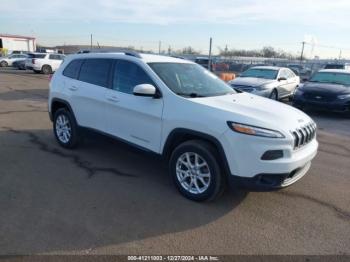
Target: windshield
column 260, row 73
column 332, row 78
column 334, row 66
column 190, row 80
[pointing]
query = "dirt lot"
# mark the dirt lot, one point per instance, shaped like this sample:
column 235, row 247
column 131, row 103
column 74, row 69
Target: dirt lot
column 107, row 198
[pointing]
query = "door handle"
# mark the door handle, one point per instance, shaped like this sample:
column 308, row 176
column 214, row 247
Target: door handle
column 73, row 88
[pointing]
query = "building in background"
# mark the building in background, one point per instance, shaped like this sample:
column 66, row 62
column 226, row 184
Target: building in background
column 13, row 43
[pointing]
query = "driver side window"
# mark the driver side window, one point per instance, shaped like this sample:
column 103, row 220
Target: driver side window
column 283, row 74
column 127, row 75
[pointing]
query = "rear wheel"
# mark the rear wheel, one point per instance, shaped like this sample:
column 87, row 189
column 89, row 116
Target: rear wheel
column 4, row 64
column 274, row 95
column 196, row 172
column 46, row 69
column 65, row 128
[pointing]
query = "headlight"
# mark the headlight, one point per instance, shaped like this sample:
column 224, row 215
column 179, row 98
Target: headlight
column 254, row 130
column 344, row 96
column 298, row 91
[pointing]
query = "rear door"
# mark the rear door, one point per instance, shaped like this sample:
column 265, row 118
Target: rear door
column 87, row 93
column 135, row 119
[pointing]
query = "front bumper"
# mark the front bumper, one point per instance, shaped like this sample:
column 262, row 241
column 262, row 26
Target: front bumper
column 270, row 181
column 258, row 92
column 244, row 156
column 335, row 106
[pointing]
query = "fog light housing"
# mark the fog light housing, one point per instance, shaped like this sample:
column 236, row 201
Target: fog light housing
column 272, row 155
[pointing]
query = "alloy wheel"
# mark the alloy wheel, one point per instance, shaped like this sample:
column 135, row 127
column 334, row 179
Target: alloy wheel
column 193, row 173
column 63, row 129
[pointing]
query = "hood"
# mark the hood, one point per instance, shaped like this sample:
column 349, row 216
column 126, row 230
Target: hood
column 257, row 111
column 325, row 89
column 250, row 81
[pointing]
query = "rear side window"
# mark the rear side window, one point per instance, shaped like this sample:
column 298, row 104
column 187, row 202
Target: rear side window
column 127, row 75
column 72, row 69
column 95, row 71
column 56, row 57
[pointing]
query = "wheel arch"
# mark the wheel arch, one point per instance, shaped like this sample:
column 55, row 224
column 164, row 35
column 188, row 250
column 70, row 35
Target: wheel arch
column 57, row 103
column 180, row 135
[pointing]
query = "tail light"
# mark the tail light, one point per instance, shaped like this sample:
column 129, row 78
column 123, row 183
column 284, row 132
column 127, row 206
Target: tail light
column 33, row 61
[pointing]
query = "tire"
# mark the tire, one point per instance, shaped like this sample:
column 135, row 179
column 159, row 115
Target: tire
column 4, row 64
column 65, row 128
column 274, row 95
column 46, row 69
column 210, row 173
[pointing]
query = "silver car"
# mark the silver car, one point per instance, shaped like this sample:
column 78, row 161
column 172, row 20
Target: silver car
column 268, row 81
column 8, row 60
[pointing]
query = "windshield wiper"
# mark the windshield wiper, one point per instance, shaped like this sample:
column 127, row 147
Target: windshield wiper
column 193, row 95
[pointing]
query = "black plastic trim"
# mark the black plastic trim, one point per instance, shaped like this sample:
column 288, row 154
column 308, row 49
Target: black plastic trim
column 63, row 102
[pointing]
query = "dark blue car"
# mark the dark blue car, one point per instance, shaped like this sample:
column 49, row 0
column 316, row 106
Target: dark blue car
column 326, row 90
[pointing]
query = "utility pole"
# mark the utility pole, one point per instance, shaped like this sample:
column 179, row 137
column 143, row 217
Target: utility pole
column 302, row 51
column 159, row 47
column 210, row 45
column 169, row 50
column 91, row 42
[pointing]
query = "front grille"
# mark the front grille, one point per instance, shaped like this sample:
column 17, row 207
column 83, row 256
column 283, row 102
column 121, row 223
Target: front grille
column 304, row 135
column 319, row 97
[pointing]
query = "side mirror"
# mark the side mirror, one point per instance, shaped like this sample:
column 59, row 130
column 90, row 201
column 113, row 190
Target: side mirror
column 282, row 79
column 145, row 90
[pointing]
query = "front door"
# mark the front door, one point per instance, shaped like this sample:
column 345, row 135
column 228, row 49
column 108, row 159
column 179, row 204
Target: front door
column 135, row 119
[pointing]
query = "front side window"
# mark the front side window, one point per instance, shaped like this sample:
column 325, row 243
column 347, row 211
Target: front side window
column 260, row 73
column 291, row 74
column 285, row 74
column 127, row 75
column 332, row 78
column 95, row 71
column 190, row 80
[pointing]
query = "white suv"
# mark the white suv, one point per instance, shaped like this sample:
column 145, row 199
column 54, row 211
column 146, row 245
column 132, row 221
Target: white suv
column 209, row 133
column 44, row 63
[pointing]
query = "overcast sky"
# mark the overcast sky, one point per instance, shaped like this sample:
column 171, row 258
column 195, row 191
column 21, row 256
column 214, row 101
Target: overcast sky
column 249, row 24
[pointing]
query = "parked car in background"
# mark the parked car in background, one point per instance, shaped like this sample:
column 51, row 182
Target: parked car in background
column 44, row 63
column 268, row 81
column 328, row 89
column 203, row 61
column 300, row 70
column 207, row 132
column 20, row 65
column 345, row 66
column 9, row 60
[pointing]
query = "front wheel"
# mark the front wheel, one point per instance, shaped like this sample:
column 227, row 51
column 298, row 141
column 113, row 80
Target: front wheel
column 4, row 64
column 196, row 172
column 65, row 128
column 274, row 95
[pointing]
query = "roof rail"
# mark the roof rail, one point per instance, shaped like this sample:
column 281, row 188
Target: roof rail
column 111, row 50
